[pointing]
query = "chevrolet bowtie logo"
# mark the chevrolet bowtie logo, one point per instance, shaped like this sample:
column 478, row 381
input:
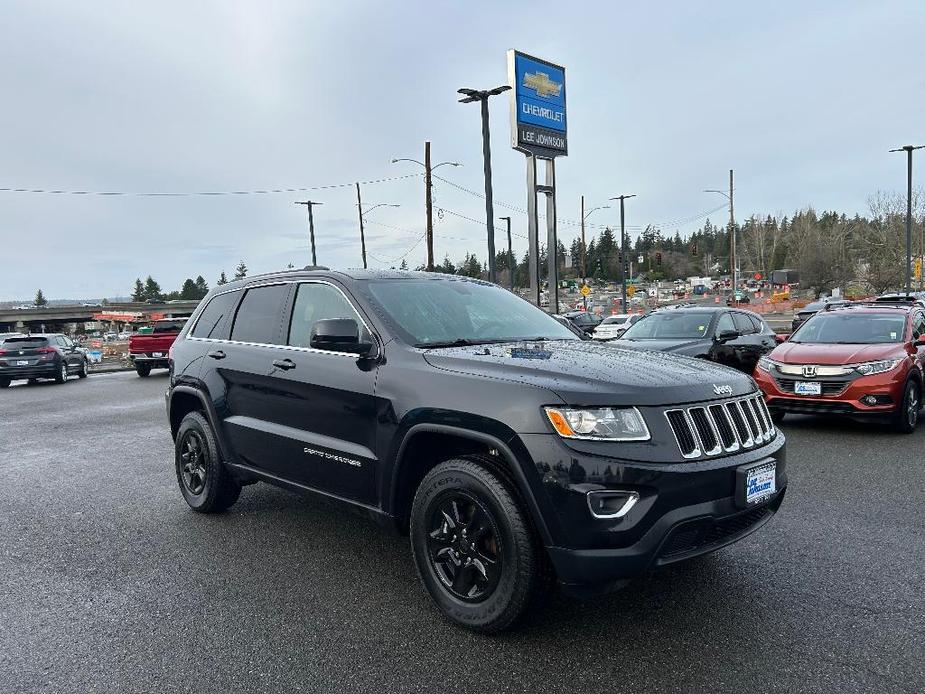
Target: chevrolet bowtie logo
column 541, row 84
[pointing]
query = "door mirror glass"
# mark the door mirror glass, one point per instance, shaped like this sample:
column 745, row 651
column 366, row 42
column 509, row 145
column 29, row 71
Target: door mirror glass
column 338, row 335
column 726, row 335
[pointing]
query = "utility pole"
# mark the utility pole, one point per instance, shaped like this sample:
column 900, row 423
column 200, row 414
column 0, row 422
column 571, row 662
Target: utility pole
column 429, row 204
column 908, row 149
column 732, row 237
column 510, row 255
column 470, row 95
column 311, row 224
column 362, row 235
column 584, row 258
column 623, row 198
column 428, row 198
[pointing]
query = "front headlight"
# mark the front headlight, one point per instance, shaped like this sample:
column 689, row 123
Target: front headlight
column 765, row 364
column 875, row 367
column 599, row 423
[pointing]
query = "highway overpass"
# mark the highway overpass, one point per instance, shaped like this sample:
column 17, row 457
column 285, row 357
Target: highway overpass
column 108, row 317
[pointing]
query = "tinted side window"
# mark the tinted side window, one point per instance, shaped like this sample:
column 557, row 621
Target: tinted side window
column 760, row 327
column 918, row 326
column 215, row 321
column 724, row 323
column 258, row 316
column 315, row 302
column 743, row 323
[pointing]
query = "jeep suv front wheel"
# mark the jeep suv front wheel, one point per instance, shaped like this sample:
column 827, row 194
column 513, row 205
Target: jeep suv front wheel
column 204, row 480
column 473, row 546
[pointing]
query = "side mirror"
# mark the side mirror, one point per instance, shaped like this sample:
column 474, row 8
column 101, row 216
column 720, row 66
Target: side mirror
column 339, row 335
column 726, row 335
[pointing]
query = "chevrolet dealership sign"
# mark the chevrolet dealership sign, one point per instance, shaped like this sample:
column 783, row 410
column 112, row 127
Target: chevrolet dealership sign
column 538, row 121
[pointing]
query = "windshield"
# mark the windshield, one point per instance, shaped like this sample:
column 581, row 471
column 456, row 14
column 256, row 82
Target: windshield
column 669, row 326
column 853, row 329
column 614, row 320
column 441, row 312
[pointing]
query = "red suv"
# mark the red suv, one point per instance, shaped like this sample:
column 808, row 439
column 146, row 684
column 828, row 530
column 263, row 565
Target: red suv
column 861, row 360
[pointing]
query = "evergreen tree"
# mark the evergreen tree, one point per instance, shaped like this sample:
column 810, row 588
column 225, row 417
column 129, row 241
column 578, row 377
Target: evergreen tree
column 138, row 294
column 202, row 288
column 152, row 289
column 240, row 272
column 40, row 299
column 188, row 291
column 222, row 279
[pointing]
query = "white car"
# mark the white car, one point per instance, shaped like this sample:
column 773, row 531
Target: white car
column 613, row 327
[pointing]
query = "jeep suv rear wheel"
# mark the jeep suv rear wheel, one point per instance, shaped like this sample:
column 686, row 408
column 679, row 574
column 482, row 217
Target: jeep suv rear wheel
column 204, row 480
column 473, row 546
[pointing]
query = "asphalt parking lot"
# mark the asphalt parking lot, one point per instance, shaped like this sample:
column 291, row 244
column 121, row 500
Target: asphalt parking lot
column 109, row 583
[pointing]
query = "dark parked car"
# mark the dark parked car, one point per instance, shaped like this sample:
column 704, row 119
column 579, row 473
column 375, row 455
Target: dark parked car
column 50, row 355
column 512, row 452
column 584, row 320
column 812, row 309
column 733, row 337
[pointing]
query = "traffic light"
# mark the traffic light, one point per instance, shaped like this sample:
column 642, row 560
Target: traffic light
column 658, row 258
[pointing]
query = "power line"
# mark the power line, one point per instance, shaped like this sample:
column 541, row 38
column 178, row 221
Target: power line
column 668, row 224
column 268, row 191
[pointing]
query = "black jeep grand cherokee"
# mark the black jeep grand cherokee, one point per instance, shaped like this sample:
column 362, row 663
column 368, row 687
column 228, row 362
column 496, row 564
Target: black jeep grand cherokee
column 514, row 453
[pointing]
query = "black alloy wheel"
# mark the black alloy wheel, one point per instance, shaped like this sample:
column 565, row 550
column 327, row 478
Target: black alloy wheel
column 61, row 376
column 474, row 546
column 907, row 416
column 84, row 369
column 464, row 547
column 192, row 465
column 205, row 481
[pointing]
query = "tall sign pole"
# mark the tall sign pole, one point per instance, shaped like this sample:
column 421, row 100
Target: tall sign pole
column 362, row 235
column 908, row 149
column 623, row 253
column 539, row 130
column 732, row 237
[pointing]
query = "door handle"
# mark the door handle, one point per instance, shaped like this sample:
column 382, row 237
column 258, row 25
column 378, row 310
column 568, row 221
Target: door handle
column 284, row 364
column 217, row 354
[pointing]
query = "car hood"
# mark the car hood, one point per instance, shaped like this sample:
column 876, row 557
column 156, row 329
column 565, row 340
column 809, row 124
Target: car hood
column 796, row 353
column 595, row 373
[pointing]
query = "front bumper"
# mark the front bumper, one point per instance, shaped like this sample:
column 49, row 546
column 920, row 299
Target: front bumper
column 887, row 388
column 14, row 373
column 684, row 509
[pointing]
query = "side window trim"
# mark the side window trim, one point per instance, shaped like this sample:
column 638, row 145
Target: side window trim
column 281, row 316
column 195, row 325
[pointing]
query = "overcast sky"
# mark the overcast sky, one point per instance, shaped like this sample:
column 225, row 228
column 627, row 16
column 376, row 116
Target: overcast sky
column 802, row 99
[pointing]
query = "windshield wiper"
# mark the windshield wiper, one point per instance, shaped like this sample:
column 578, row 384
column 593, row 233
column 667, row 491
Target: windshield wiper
column 461, row 342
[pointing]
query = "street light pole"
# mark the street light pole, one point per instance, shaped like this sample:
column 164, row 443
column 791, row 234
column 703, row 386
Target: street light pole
column 732, row 230
column 908, row 149
column 482, row 97
column 510, row 255
column 428, row 198
column 584, row 256
column 623, row 198
column 362, row 235
column 311, row 225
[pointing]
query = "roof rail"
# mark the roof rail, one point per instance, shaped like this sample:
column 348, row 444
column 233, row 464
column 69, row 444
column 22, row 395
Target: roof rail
column 873, row 304
column 315, row 267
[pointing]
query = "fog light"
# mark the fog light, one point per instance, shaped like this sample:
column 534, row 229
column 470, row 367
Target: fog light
column 869, row 400
column 611, row 504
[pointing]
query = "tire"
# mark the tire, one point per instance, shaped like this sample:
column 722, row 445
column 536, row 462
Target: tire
column 143, row 370
column 907, row 416
column 61, row 376
column 487, row 584
column 204, row 480
column 777, row 416
column 84, row 369
column 5, row 383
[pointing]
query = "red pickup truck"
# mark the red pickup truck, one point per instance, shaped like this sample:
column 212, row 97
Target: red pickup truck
column 149, row 350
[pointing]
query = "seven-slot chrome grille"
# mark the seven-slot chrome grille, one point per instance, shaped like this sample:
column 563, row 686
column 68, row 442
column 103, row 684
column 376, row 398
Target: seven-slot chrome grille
column 724, row 427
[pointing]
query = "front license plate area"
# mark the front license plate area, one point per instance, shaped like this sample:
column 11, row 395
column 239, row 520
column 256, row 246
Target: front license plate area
column 807, row 388
column 755, row 483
